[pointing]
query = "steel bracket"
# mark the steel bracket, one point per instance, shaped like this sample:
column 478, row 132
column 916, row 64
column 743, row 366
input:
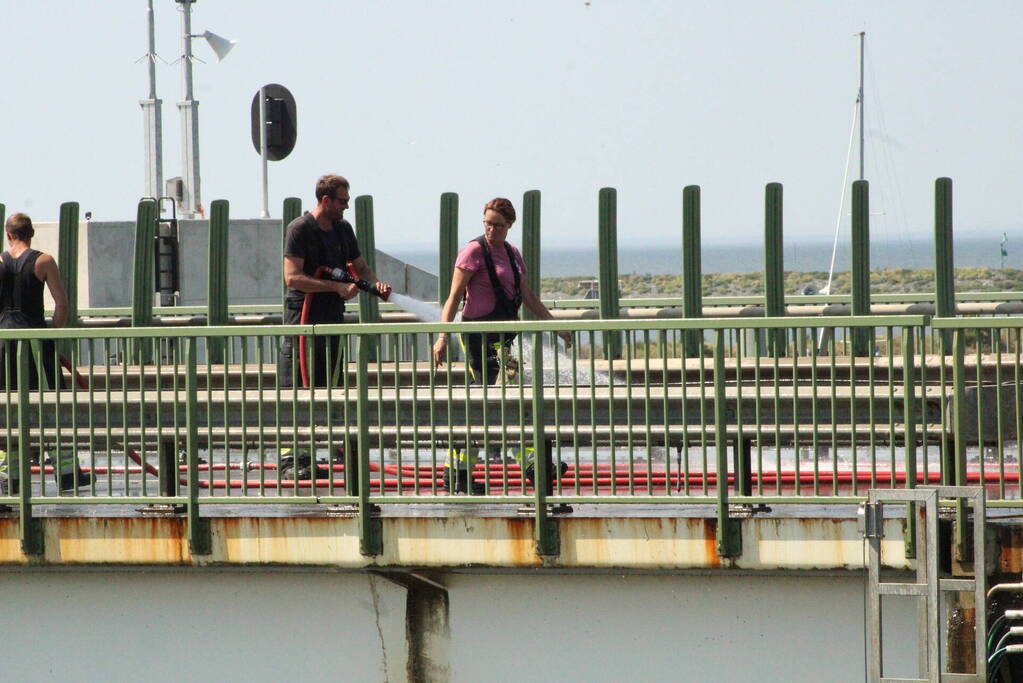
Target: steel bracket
column 870, row 520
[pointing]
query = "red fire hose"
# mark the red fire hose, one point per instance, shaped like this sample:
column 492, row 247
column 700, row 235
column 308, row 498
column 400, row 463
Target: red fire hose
column 304, row 320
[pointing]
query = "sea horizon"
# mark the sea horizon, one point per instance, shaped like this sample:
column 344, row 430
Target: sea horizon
column 803, row 256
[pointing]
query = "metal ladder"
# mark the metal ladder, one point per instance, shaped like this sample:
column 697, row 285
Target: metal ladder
column 929, row 584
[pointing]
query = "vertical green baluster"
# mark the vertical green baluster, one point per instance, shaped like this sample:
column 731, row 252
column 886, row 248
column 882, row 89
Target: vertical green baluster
column 370, row 535
column 862, row 342
column 531, row 243
column 944, row 266
column 692, row 269
column 729, row 539
column 909, row 421
column 67, row 258
column 547, row 541
column 959, row 423
column 31, row 528
column 216, row 291
column 448, row 244
column 292, row 209
column 199, row 539
column 608, row 265
column 369, row 308
column 774, row 266
column 142, row 275
column 3, row 214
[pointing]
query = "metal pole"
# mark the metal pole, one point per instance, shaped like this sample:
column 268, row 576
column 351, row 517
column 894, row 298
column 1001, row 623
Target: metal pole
column 774, row 263
column 151, row 115
column 607, row 254
column 262, row 150
column 860, row 267
column 863, row 36
column 448, row 244
column 189, row 109
column 692, row 269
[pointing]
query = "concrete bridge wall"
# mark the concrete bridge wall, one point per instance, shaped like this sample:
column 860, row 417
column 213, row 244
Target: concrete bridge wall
column 71, row 624
column 106, row 250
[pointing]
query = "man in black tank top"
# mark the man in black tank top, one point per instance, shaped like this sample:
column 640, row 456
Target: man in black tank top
column 23, row 270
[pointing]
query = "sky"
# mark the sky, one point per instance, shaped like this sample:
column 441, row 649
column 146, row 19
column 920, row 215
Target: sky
column 410, row 99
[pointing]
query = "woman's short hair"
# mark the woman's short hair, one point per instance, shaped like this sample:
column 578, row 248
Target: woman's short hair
column 502, row 206
column 19, row 226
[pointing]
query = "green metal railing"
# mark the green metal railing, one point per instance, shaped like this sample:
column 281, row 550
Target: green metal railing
column 150, row 416
column 653, row 407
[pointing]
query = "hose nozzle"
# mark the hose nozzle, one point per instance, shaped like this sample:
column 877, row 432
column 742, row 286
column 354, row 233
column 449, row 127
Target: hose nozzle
column 351, row 277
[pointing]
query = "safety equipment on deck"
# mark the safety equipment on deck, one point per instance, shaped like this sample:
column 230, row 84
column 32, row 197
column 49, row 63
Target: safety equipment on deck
column 458, row 471
column 66, row 473
column 299, row 465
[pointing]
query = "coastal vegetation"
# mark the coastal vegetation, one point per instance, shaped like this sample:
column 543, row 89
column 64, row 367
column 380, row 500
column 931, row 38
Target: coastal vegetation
column 892, row 281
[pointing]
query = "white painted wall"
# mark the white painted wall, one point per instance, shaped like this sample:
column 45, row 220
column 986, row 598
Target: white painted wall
column 200, row 626
column 217, row 625
column 667, row 628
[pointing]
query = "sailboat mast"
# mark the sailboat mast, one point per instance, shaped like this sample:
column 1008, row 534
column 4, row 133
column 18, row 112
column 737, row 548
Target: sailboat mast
column 859, row 101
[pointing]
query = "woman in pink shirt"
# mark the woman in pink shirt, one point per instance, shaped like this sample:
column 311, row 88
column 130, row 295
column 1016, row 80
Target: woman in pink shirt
column 490, row 275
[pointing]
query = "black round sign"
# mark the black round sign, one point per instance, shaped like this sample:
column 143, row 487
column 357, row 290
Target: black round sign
column 281, row 121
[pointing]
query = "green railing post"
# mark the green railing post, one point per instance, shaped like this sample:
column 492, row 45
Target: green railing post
column 67, row 258
column 369, row 307
column 370, row 531
column 31, row 528
column 909, row 415
column 200, row 541
column 448, row 250
column 692, row 269
column 729, row 533
column 216, row 283
column 531, row 243
column 774, row 264
column 860, row 275
column 292, row 209
column 143, row 286
column 607, row 246
column 944, row 265
column 3, row 214
column 547, row 540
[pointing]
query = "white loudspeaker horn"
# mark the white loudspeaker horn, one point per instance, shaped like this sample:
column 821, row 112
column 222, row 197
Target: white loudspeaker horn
column 221, row 46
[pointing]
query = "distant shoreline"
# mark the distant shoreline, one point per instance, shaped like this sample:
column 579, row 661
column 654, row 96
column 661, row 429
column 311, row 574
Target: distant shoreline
column 887, row 281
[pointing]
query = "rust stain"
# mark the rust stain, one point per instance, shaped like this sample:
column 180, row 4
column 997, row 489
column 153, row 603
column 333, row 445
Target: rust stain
column 10, row 542
column 460, row 541
column 710, row 542
column 1010, row 543
column 287, row 541
column 106, row 540
column 466, row 541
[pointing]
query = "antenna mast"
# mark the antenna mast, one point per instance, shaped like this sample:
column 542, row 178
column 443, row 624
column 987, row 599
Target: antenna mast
column 859, row 100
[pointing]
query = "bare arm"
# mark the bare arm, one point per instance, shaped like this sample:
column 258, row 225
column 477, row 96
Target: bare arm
column 459, row 281
column 46, row 271
column 537, row 308
column 367, row 274
column 294, row 278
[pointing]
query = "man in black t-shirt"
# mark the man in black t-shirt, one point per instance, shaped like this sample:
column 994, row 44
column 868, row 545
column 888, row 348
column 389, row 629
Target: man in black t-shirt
column 320, row 237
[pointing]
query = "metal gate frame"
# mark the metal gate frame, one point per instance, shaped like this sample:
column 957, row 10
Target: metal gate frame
column 929, row 584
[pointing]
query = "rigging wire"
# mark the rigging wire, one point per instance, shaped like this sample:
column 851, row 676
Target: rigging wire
column 893, row 177
column 841, row 202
